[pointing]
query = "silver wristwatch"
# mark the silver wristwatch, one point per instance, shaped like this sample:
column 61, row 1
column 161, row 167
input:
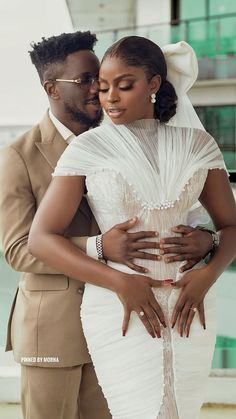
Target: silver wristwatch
column 215, row 237
column 99, row 247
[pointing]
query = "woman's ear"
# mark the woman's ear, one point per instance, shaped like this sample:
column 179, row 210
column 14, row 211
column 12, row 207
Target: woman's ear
column 155, row 83
column 50, row 88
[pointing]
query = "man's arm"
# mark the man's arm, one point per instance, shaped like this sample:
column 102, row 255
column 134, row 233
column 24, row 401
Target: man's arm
column 17, row 210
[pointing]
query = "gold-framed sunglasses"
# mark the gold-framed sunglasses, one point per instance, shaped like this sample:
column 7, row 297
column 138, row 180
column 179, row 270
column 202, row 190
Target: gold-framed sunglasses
column 85, row 80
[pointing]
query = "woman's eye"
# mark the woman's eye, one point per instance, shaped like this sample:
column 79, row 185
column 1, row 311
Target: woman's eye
column 126, row 87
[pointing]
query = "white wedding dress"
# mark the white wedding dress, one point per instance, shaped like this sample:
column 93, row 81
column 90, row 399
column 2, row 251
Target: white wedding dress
column 156, row 172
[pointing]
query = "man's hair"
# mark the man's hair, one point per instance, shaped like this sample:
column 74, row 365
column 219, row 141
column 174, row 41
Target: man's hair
column 49, row 52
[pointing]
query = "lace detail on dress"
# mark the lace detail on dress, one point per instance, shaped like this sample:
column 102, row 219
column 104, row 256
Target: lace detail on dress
column 168, row 408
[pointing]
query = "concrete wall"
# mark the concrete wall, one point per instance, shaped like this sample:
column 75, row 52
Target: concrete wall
column 152, row 11
column 21, row 22
column 98, row 15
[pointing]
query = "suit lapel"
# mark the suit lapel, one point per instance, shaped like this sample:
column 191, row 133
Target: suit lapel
column 51, row 146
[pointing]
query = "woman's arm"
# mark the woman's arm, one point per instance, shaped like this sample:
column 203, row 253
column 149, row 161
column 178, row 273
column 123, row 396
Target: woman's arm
column 218, row 199
column 47, row 243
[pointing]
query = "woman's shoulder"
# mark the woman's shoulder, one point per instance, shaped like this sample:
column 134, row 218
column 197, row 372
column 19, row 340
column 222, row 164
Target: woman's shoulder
column 95, row 132
column 192, row 135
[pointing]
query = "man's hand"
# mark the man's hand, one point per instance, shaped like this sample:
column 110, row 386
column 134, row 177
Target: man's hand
column 192, row 246
column 122, row 247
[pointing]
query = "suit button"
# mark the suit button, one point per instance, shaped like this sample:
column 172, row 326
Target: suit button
column 80, row 291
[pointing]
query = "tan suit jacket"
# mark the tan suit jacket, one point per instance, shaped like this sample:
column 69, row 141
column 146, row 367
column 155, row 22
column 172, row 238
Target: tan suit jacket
column 45, row 316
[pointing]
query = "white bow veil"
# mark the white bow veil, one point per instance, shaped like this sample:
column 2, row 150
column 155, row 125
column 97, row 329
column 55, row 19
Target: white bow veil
column 182, row 72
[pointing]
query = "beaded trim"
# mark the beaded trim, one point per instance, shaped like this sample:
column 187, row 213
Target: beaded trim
column 161, row 206
column 149, row 206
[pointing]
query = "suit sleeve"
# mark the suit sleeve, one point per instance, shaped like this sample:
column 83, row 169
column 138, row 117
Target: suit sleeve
column 17, row 210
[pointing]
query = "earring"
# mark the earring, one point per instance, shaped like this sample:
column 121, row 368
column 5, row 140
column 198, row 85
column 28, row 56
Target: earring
column 153, row 98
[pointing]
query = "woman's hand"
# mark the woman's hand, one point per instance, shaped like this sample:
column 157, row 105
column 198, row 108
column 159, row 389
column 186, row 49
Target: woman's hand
column 194, row 286
column 135, row 293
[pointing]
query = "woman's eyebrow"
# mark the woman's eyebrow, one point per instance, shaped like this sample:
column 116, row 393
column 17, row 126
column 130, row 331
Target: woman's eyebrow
column 118, row 77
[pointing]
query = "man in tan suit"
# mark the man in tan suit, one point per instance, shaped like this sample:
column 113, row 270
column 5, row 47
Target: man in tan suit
column 45, row 333
column 58, row 379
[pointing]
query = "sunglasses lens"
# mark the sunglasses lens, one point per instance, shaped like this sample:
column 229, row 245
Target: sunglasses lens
column 87, row 79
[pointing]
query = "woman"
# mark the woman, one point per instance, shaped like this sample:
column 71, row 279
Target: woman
column 139, row 165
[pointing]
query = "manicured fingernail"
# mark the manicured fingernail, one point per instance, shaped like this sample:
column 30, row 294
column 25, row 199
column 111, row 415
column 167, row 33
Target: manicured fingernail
column 146, row 270
column 159, row 257
column 156, row 233
column 158, row 334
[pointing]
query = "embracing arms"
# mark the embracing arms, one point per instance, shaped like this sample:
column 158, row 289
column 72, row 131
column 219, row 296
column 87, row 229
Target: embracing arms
column 47, row 242
column 18, row 207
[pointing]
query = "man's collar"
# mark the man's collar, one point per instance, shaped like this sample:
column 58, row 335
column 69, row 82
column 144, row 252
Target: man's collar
column 62, row 129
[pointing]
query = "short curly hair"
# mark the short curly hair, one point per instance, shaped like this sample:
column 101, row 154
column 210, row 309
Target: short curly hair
column 51, row 51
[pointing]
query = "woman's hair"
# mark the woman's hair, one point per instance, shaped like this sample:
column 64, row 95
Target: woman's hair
column 137, row 51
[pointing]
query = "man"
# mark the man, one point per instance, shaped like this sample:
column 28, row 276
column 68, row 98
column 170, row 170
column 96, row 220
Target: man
column 45, row 333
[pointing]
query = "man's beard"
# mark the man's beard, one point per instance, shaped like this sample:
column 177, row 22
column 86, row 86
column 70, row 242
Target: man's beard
column 83, row 118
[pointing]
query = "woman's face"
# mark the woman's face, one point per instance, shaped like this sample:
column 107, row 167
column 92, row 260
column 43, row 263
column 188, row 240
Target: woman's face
column 125, row 93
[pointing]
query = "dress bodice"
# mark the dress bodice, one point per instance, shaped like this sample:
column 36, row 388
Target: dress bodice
column 113, row 200
column 144, row 169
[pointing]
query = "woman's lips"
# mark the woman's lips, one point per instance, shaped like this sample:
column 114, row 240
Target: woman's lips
column 115, row 112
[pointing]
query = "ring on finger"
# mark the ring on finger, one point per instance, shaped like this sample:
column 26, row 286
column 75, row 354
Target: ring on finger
column 194, row 309
column 141, row 313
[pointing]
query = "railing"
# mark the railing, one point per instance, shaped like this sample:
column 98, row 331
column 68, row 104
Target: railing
column 211, row 36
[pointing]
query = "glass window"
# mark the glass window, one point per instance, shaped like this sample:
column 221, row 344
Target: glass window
column 192, row 9
column 221, row 7
column 219, row 121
